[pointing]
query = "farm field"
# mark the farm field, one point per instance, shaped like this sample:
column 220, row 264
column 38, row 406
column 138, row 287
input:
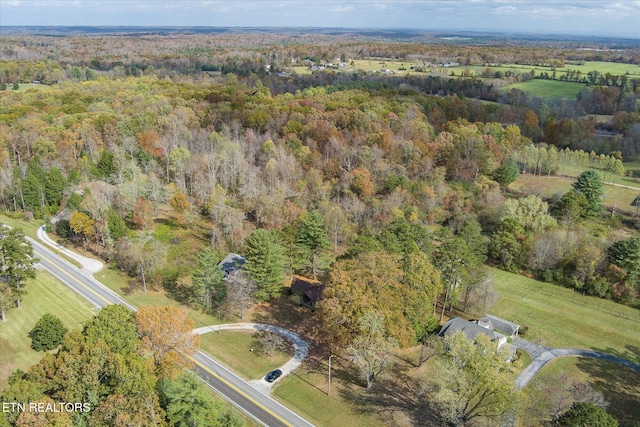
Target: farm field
column 560, row 317
column 600, row 66
column 548, row 88
column 45, row 294
column 620, row 386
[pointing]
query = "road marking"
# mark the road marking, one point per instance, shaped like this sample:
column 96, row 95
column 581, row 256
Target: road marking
column 75, row 279
column 236, row 389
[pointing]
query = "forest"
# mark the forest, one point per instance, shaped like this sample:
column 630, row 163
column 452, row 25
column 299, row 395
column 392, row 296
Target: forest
column 396, row 189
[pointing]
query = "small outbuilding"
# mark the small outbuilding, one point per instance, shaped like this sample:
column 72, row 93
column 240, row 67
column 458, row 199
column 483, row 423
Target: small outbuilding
column 306, row 292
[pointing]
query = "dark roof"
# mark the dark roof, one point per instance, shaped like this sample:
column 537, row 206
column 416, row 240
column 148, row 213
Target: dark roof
column 497, row 324
column 469, row 328
column 231, row 263
column 313, row 291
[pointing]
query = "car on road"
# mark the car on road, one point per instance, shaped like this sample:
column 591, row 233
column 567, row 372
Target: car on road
column 273, row 375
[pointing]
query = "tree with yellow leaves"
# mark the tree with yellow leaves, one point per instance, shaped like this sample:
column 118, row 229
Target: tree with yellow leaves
column 83, row 225
column 167, row 333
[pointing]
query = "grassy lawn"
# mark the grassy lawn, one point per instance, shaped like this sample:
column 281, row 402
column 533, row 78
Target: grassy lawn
column 45, row 294
column 560, row 317
column 233, row 348
column 620, row 386
column 307, row 393
column 548, row 88
column 349, row 403
column 29, row 228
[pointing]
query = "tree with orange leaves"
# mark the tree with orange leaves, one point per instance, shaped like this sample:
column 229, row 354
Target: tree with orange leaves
column 167, row 333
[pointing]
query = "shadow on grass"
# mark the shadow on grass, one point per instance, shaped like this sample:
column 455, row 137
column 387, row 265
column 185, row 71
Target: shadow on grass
column 620, row 386
column 394, row 396
column 631, row 352
column 282, row 311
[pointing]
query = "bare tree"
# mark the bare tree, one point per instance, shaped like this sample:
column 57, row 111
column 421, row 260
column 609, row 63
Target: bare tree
column 370, row 350
column 240, row 291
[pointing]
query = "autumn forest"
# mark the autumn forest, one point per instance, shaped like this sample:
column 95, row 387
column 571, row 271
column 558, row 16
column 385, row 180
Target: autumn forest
column 162, row 153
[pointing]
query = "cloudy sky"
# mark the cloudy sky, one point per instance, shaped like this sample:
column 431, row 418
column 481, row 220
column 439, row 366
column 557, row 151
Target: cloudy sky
column 601, row 17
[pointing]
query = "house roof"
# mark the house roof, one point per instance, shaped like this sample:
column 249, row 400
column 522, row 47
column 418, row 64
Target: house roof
column 469, row 328
column 312, row 290
column 231, row 263
column 497, row 324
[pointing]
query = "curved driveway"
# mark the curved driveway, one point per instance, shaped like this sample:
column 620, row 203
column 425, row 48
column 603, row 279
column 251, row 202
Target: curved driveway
column 542, row 355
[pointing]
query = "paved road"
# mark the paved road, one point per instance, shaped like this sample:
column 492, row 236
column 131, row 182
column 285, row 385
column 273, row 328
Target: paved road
column 542, row 355
column 261, row 407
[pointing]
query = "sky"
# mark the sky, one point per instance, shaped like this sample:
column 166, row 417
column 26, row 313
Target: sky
column 620, row 18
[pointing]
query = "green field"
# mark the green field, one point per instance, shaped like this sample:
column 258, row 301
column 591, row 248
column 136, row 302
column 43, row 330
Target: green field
column 45, row 294
column 620, row 386
column 615, row 196
column 560, row 317
column 25, row 87
column 548, row 88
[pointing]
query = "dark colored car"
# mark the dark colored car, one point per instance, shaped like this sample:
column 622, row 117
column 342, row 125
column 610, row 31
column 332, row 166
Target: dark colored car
column 273, row 375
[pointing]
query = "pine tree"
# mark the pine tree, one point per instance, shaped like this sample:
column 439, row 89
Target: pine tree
column 265, row 263
column 590, row 184
column 209, row 289
column 16, row 266
column 506, row 173
column 312, row 239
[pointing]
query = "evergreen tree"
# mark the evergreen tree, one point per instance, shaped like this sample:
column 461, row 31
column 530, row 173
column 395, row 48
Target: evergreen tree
column 105, row 167
column 33, row 187
column 117, row 227
column 626, row 255
column 590, row 184
column 54, row 187
column 16, row 266
column 209, row 288
column 312, row 240
column 265, row 263
column 506, row 173
column 47, row 333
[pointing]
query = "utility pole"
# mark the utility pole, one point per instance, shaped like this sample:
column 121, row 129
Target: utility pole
column 219, row 322
column 329, row 393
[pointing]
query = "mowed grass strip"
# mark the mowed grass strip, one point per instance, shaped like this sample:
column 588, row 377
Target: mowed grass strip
column 619, row 385
column 560, row 317
column 233, row 349
column 45, row 294
column 29, row 228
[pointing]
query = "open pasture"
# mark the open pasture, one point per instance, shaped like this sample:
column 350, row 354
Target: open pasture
column 560, row 317
column 548, row 88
